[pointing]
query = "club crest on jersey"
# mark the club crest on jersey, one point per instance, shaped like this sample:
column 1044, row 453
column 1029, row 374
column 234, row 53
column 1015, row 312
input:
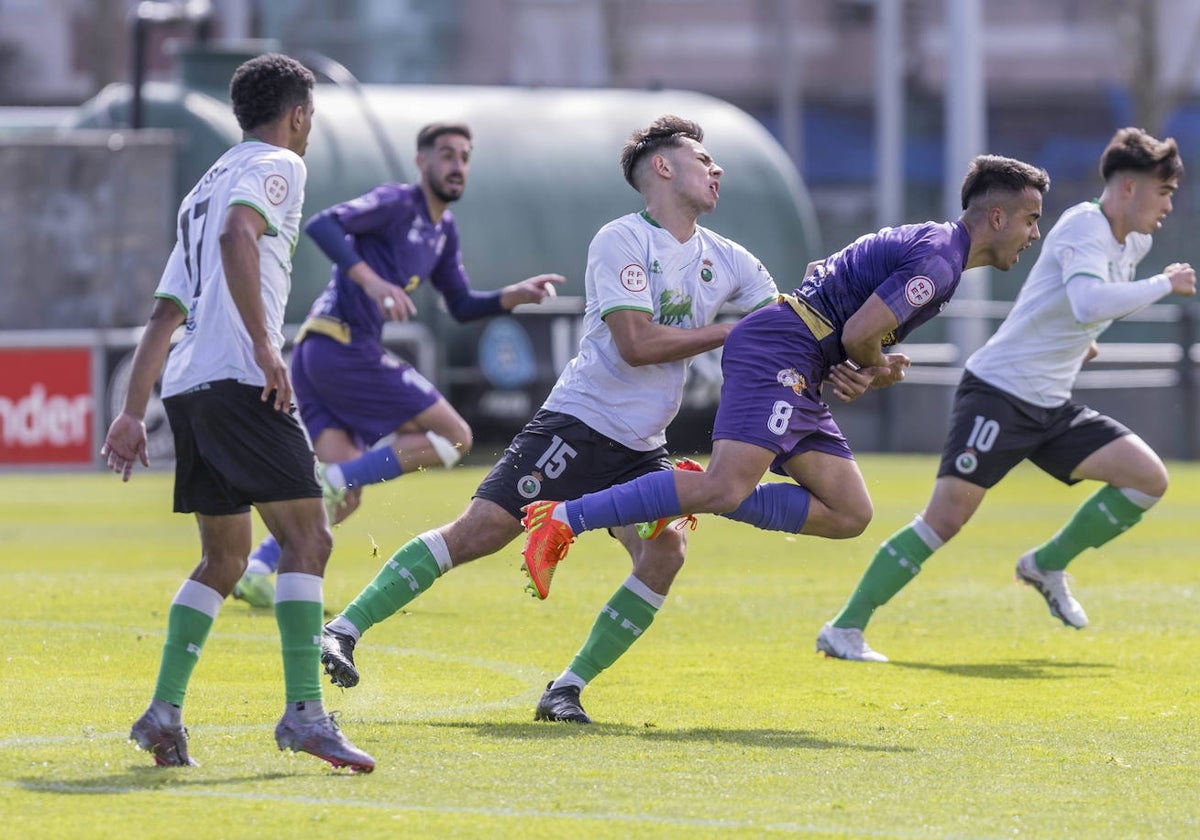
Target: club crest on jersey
column 529, row 486
column 966, row 462
column 918, row 291
column 276, row 188
column 706, row 273
column 792, row 378
column 633, row 278
column 674, row 307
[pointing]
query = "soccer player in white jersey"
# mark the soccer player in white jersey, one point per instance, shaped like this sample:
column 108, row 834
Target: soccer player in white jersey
column 238, row 443
column 654, row 283
column 1014, row 401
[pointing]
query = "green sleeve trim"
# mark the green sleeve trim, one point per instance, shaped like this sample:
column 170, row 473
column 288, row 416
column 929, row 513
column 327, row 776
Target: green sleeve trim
column 1067, row 279
column 271, row 229
column 764, row 302
column 608, row 312
column 173, row 299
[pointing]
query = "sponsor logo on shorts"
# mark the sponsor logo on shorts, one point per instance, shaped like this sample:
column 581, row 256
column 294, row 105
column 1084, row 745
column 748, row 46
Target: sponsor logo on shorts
column 792, row 378
column 529, row 486
column 919, row 291
column 276, row 188
column 633, row 278
column 967, row 462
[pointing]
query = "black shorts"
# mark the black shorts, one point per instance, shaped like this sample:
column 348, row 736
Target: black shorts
column 558, row 457
column 232, row 449
column 992, row 431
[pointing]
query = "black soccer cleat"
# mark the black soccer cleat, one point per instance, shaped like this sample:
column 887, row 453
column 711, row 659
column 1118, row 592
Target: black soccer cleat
column 561, row 704
column 337, row 655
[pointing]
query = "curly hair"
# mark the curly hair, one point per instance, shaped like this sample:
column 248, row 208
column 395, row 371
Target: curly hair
column 1133, row 150
column 664, row 132
column 264, row 88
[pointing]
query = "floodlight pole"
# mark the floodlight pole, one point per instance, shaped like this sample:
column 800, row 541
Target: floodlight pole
column 966, row 135
column 889, row 114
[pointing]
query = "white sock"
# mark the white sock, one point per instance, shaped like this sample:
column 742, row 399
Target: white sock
column 307, row 711
column 334, row 477
column 167, row 714
column 569, row 677
column 345, row 626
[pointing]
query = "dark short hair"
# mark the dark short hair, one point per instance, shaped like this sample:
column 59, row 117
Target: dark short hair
column 993, row 173
column 429, row 134
column 266, row 87
column 664, row 132
column 1133, row 150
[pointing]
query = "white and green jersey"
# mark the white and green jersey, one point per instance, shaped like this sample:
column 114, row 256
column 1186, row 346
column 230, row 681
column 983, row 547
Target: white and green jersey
column 215, row 344
column 1038, row 350
column 635, row 264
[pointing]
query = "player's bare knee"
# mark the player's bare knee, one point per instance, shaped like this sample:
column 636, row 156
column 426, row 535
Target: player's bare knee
column 848, row 524
column 1155, row 482
column 723, row 497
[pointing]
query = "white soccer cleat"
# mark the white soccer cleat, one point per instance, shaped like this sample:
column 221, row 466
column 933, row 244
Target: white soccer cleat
column 1053, row 587
column 846, row 643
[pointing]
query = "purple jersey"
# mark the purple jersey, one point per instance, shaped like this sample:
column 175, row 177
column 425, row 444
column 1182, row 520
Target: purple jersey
column 913, row 268
column 389, row 227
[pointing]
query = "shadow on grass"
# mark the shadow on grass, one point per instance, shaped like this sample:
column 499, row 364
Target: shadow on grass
column 1022, row 669
column 139, row 780
column 774, row 738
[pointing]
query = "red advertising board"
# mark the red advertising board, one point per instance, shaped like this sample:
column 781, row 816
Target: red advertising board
column 46, row 405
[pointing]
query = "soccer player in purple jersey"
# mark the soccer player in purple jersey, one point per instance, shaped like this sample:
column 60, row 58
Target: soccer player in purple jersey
column 373, row 417
column 838, row 325
column 1014, row 402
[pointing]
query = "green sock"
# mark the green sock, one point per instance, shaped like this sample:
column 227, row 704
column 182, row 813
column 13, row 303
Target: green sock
column 299, row 614
column 408, row 573
column 896, row 562
column 624, row 618
column 1106, row 514
column 187, row 630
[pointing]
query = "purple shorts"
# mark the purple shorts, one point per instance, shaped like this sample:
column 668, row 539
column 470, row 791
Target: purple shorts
column 359, row 388
column 771, row 394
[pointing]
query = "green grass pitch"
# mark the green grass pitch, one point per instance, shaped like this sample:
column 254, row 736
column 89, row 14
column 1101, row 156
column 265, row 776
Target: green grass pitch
column 991, row 721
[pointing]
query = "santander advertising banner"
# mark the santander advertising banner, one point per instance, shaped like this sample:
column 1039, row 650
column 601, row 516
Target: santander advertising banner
column 46, row 405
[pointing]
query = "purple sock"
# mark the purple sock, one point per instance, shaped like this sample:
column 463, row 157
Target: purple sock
column 644, row 499
column 774, row 506
column 267, row 553
column 372, row 467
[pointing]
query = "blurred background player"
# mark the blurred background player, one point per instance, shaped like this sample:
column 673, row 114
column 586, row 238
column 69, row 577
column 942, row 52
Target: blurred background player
column 372, row 416
column 654, row 284
column 1014, row 400
column 228, row 399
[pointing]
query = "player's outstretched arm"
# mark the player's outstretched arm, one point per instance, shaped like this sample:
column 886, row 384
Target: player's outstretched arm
column 530, row 290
